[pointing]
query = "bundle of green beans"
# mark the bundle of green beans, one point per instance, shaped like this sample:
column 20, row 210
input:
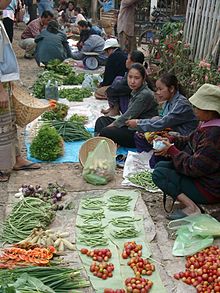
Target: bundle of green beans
column 124, row 222
column 91, row 229
column 58, row 279
column 143, row 179
column 93, row 217
column 92, row 203
column 119, row 203
column 27, row 214
column 70, row 130
column 130, row 232
column 94, row 240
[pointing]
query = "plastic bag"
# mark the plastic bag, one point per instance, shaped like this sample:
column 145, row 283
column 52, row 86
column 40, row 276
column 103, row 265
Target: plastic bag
column 51, row 90
column 91, row 81
column 194, row 233
column 100, row 165
column 26, row 17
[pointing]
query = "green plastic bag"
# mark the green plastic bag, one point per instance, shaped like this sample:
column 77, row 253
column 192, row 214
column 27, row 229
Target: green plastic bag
column 100, row 165
column 194, row 233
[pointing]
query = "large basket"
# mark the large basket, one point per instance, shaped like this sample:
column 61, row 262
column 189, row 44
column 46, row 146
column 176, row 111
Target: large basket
column 91, row 144
column 27, row 108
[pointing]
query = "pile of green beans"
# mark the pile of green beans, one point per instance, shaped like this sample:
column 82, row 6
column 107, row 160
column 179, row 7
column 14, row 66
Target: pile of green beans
column 126, row 233
column 27, row 214
column 92, row 203
column 91, row 229
column 93, row 217
column 143, row 179
column 94, row 240
column 124, row 222
column 119, row 203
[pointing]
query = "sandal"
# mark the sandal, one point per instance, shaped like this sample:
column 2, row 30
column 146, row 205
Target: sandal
column 4, row 177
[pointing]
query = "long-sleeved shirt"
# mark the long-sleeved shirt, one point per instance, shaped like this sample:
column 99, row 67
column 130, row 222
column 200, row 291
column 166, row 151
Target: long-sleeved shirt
column 202, row 159
column 94, row 43
column 107, row 5
column 142, row 104
column 126, row 17
column 176, row 114
column 115, row 66
column 32, row 29
column 51, row 46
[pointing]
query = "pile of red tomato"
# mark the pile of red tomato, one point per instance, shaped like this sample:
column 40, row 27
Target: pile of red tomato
column 131, row 249
column 203, row 270
column 99, row 255
column 138, row 285
column 102, row 270
column 141, row 266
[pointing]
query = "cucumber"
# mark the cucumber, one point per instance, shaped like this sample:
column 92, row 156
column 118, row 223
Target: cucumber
column 95, row 180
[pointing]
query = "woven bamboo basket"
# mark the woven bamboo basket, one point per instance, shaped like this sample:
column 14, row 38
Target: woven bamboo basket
column 91, row 144
column 27, row 108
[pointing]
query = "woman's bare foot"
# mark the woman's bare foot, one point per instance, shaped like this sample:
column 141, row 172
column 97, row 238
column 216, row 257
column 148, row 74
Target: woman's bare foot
column 105, row 111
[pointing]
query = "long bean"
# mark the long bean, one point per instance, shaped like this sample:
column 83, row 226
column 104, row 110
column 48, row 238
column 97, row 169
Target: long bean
column 92, row 217
column 126, row 233
column 92, row 204
column 143, row 179
column 124, row 221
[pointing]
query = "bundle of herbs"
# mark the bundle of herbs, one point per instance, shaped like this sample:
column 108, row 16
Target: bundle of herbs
column 71, row 130
column 26, row 215
column 75, row 94
column 59, row 112
column 41, row 280
column 47, row 145
column 79, row 118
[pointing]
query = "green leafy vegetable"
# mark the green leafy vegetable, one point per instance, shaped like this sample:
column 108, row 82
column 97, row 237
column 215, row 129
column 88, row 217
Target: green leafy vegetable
column 75, row 94
column 78, row 118
column 58, row 113
column 47, row 145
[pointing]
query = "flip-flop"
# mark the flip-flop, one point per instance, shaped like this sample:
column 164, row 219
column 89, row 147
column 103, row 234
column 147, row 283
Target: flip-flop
column 29, row 166
column 120, row 160
column 4, row 177
column 176, row 215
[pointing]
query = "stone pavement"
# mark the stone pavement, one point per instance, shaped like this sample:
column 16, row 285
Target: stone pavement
column 150, row 205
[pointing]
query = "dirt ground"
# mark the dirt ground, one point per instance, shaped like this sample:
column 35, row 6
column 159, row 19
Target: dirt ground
column 70, row 175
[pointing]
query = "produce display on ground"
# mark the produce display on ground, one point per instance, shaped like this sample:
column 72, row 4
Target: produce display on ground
column 113, row 245
column 202, row 270
column 143, row 179
column 79, row 118
column 59, row 112
column 74, row 94
column 47, row 145
column 61, row 73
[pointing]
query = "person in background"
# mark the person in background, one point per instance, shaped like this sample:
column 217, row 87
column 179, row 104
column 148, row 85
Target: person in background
column 44, row 5
column 63, row 5
column 10, row 156
column 78, row 15
column 90, row 43
column 125, row 25
column 32, row 9
column 115, row 66
column 142, row 104
column 31, row 31
column 177, row 112
column 8, row 16
column 70, row 12
column 51, row 44
column 118, row 94
column 107, row 5
column 193, row 175
column 86, row 25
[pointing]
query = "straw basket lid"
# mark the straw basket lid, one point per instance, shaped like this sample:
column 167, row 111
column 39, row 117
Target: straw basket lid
column 91, row 144
column 27, row 108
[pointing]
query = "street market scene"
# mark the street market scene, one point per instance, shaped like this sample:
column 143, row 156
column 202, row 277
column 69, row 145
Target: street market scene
column 109, row 146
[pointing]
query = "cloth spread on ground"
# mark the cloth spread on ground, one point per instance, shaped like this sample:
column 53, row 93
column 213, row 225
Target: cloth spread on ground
column 91, row 108
column 116, row 245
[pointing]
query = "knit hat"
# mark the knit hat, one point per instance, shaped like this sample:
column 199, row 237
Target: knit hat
column 207, row 97
column 111, row 43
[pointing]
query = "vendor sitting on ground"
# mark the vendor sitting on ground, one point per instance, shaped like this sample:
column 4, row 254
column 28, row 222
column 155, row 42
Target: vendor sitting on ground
column 118, row 94
column 31, row 31
column 115, row 66
column 90, row 43
column 51, row 44
column 193, row 175
column 142, row 105
column 86, row 25
column 177, row 113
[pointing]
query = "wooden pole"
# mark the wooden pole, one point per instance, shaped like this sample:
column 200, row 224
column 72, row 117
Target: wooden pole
column 94, row 6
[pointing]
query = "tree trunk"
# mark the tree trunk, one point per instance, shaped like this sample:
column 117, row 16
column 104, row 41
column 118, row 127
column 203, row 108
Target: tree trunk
column 94, row 9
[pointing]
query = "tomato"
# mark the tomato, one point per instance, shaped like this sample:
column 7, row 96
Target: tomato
column 84, row 250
